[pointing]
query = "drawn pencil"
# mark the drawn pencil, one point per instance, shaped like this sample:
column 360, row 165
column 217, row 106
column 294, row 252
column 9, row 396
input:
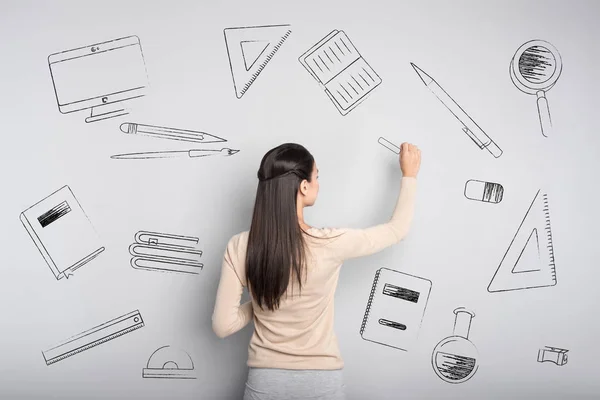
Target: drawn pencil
column 473, row 130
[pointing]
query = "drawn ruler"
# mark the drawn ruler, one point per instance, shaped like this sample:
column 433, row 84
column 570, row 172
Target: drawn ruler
column 95, row 336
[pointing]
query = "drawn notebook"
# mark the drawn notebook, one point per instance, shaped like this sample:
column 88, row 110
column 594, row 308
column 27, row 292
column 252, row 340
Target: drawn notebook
column 395, row 309
column 338, row 66
column 62, row 232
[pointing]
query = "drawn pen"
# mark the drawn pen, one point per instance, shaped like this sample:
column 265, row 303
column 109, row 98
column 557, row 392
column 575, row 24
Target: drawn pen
column 473, row 130
column 172, row 154
column 169, row 133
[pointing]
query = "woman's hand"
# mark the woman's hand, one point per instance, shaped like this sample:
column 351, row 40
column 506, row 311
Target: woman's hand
column 410, row 160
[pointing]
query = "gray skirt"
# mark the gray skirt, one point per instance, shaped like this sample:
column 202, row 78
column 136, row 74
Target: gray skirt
column 290, row 384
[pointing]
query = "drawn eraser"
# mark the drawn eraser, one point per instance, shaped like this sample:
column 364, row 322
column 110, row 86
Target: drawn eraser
column 488, row 192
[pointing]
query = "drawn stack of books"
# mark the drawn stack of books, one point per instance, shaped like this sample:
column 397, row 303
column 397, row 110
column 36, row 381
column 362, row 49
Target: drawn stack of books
column 102, row 77
column 67, row 241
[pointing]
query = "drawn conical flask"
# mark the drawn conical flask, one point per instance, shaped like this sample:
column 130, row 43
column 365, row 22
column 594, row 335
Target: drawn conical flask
column 455, row 358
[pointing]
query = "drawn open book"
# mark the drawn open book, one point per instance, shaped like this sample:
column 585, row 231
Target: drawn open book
column 338, row 66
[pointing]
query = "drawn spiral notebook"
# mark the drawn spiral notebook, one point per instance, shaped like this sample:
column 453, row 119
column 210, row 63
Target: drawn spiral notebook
column 340, row 69
column 395, row 309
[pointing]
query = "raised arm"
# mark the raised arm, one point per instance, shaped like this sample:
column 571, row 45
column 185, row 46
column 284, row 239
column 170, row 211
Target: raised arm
column 351, row 243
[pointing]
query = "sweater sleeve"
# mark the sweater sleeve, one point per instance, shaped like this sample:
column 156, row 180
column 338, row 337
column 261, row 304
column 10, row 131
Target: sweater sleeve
column 229, row 316
column 353, row 243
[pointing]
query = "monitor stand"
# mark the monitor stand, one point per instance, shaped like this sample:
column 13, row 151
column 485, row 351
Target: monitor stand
column 112, row 110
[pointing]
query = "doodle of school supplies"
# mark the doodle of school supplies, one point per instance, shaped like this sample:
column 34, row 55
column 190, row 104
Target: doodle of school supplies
column 249, row 49
column 97, row 335
column 554, row 355
column 529, row 260
column 100, row 78
column 225, row 152
column 62, row 232
column 470, row 127
column 395, row 309
column 169, row 133
column 534, row 69
column 487, row 192
column 168, row 362
column 341, row 71
column 164, row 252
column 455, row 359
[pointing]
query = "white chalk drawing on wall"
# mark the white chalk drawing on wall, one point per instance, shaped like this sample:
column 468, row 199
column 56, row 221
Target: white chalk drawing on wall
column 470, row 127
column 99, row 77
column 95, row 336
column 487, row 192
column 341, row 71
column 250, row 48
column 534, row 69
column 162, row 132
column 164, row 252
column 455, row 359
column 395, row 309
column 167, row 362
column 62, row 232
column 554, row 355
column 529, row 260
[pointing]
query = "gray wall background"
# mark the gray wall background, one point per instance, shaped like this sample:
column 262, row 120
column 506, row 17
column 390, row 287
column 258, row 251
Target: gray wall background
column 456, row 243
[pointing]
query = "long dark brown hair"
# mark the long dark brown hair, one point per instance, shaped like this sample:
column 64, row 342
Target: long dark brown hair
column 276, row 246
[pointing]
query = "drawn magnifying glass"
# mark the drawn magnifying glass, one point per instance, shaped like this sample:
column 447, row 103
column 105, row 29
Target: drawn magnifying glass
column 534, row 69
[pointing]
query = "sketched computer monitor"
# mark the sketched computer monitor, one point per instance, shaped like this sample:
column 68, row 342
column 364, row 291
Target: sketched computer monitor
column 99, row 77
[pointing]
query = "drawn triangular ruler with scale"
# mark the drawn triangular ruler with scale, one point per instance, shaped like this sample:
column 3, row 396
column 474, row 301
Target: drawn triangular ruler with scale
column 250, row 49
column 529, row 260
